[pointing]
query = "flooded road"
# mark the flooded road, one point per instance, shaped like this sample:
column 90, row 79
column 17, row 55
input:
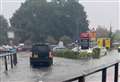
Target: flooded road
column 62, row 69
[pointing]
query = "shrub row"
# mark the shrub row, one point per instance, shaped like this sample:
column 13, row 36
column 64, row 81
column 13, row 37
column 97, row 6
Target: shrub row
column 78, row 55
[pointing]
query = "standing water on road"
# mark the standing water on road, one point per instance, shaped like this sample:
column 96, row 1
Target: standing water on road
column 23, row 72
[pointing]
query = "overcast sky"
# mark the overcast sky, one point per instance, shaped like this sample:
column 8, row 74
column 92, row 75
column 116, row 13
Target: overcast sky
column 100, row 12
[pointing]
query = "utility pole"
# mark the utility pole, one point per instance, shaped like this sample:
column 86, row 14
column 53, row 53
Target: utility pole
column 77, row 29
column 110, row 34
column 77, row 33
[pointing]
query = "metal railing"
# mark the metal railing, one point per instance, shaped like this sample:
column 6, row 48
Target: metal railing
column 104, row 73
column 5, row 56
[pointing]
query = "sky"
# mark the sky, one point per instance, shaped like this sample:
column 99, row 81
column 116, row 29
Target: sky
column 99, row 12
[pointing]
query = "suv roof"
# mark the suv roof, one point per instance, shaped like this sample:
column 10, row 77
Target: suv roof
column 39, row 44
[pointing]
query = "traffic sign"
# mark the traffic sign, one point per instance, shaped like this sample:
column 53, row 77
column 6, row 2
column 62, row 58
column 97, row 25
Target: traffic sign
column 92, row 35
column 84, row 35
column 84, row 43
column 107, row 43
column 100, row 42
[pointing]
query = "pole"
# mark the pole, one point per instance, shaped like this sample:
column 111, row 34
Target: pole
column 81, row 79
column 5, row 59
column 11, row 61
column 15, row 58
column 116, row 72
column 104, row 75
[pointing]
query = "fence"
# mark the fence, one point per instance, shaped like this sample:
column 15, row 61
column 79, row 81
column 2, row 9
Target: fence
column 5, row 56
column 104, row 71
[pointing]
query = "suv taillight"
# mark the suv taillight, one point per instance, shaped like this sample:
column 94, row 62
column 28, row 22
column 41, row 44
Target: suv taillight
column 50, row 55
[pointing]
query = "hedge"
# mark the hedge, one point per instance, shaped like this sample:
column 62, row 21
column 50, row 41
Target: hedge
column 78, row 55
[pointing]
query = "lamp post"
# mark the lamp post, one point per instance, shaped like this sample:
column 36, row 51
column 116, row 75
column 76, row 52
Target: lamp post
column 110, row 35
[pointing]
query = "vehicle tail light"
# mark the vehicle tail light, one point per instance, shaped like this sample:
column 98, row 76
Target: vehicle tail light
column 50, row 55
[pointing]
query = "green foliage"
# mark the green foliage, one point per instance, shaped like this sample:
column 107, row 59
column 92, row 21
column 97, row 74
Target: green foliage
column 73, row 55
column 85, row 54
column 78, row 55
column 35, row 20
column 67, row 54
column 51, row 40
column 3, row 30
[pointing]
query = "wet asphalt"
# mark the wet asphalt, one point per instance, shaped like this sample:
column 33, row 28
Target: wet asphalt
column 62, row 69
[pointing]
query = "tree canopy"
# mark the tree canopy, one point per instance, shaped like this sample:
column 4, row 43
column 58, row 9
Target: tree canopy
column 3, row 30
column 35, row 20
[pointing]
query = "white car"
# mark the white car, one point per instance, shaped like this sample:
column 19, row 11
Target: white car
column 7, row 47
column 90, row 50
column 58, row 48
column 76, row 49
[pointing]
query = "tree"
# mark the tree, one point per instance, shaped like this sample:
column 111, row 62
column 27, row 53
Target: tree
column 3, row 30
column 37, row 19
column 51, row 40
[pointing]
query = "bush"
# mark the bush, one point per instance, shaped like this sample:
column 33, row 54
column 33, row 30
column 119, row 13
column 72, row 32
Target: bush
column 76, row 55
column 73, row 55
column 67, row 54
column 85, row 55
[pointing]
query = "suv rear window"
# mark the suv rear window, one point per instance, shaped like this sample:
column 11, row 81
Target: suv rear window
column 43, row 48
column 40, row 48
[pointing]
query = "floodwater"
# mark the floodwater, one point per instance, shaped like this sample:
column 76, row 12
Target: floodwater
column 62, row 69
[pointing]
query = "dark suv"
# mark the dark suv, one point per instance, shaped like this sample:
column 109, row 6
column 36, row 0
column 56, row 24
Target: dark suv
column 41, row 55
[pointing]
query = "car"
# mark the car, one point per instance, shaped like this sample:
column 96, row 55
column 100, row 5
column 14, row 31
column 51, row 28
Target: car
column 7, row 47
column 58, row 49
column 90, row 50
column 119, row 49
column 42, row 55
column 2, row 49
column 76, row 49
column 20, row 47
